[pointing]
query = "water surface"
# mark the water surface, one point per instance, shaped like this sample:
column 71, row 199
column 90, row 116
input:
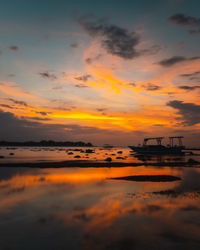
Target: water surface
column 82, row 208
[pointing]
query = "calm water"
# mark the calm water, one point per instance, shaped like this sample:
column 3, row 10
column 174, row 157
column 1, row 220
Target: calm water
column 37, row 154
column 74, row 208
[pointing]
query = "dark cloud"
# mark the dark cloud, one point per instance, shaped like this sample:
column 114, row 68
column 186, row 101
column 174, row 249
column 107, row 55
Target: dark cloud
column 14, row 48
column 42, row 113
column 190, row 112
column 187, row 21
column 13, row 128
column 48, row 75
column 6, row 106
column 18, row 102
column 151, row 87
column 116, row 40
column 182, row 20
column 185, row 87
column 74, row 45
column 176, row 59
column 83, row 78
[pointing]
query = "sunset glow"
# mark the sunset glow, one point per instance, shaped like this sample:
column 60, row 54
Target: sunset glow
column 99, row 73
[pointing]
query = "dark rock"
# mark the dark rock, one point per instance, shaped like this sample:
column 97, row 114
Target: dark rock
column 1, row 156
column 119, row 152
column 109, row 159
column 11, row 154
column 89, row 151
column 70, row 153
column 77, row 156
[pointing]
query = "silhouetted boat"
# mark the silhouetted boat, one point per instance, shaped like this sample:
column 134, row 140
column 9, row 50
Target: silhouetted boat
column 160, row 149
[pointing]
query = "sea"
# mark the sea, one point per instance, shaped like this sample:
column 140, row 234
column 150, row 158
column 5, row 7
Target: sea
column 91, row 207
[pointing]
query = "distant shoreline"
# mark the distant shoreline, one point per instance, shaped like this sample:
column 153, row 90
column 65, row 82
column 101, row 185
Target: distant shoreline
column 44, row 143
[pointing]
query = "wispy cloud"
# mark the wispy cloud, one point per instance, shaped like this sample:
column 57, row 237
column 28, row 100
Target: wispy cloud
column 151, row 87
column 48, row 75
column 176, row 59
column 18, row 102
column 187, row 21
column 82, row 78
column 185, row 87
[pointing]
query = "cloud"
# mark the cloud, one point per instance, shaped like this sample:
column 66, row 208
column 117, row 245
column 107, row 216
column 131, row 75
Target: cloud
column 74, row 45
column 18, row 102
column 6, row 106
column 13, row 47
column 189, row 87
column 154, row 49
column 81, row 86
column 188, row 21
column 16, row 129
column 36, row 118
column 13, row 128
column 182, row 20
column 190, row 112
column 176, row 59
column 42, row 113
column 12, row 89
column 101, row 109
column 90, row 60
column 132, row 84
column 192, row 76
column 83, row 78
column 57, row 88
column 115, row 40
column 151, row 87
column 48, row 75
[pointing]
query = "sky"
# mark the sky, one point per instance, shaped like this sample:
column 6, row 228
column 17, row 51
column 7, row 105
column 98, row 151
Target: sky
column 100, row 71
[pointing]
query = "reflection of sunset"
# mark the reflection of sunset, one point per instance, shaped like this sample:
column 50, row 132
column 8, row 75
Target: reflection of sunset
column 89, row 201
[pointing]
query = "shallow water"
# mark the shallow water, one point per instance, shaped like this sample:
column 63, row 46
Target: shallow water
column 82, row 208
column 40, row 154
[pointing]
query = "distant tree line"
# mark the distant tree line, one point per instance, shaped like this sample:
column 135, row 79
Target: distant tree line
column 45, row 143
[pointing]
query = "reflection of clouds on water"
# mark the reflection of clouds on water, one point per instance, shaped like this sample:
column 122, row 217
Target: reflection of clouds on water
column 75, row 209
